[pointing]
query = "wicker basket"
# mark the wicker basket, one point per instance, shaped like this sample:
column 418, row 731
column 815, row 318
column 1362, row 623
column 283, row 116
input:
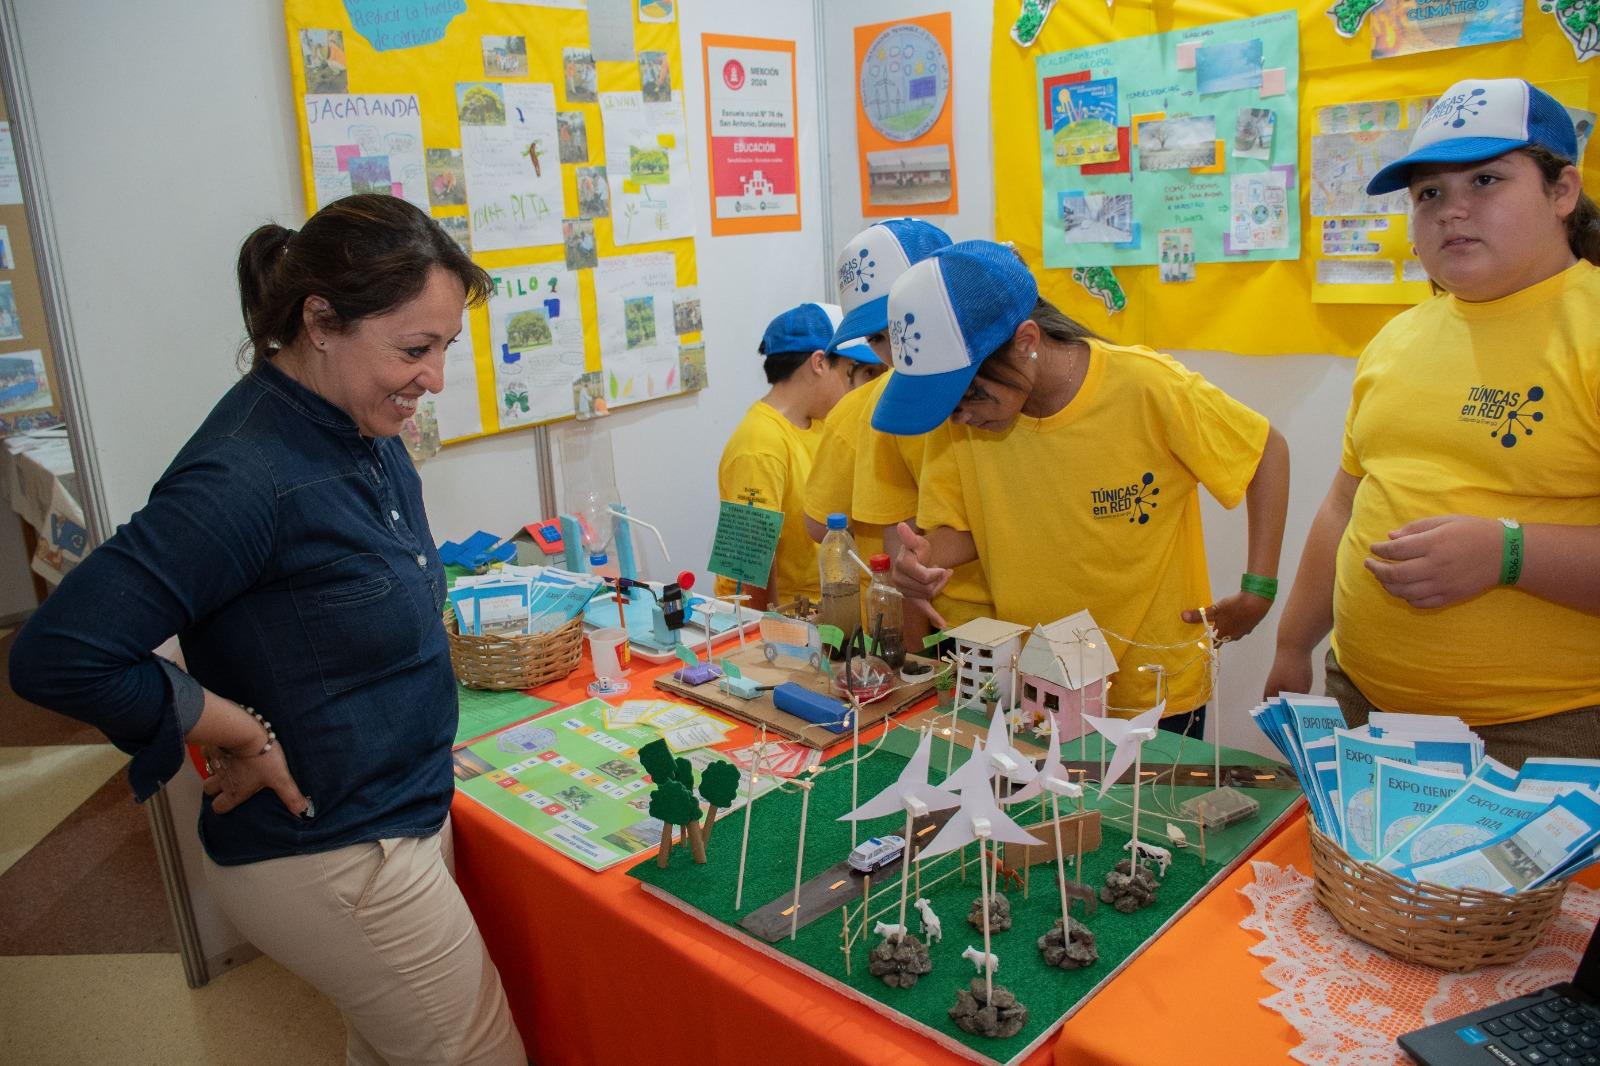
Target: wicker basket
column 1452, row 929
column 514, row 662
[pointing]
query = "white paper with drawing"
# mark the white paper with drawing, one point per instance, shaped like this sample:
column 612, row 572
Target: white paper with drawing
column 639, row 351
column 1343, row 163
column 648, row 168
column 509, row 152
column 535, row 342
column 456, row 407
column 366, row 142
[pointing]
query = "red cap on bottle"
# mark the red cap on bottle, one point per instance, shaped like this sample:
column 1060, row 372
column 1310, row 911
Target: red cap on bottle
column 879, row 562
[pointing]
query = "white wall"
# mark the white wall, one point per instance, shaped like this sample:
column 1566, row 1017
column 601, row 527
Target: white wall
column 1305, row 396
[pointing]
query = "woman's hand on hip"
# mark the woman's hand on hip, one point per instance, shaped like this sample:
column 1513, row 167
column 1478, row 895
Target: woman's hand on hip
column 235, row 778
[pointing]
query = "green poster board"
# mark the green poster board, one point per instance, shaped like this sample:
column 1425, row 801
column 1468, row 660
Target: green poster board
column 746, row 540
column 1194, row 129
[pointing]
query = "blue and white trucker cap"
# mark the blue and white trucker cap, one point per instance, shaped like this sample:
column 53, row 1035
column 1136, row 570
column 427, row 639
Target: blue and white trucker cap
column 1479, row 119
column 947, row 314
column 804, row 329
column 871, row 262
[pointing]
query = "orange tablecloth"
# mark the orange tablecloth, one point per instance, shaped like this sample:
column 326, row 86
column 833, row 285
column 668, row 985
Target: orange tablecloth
column 597, row 972
column 1200, row 980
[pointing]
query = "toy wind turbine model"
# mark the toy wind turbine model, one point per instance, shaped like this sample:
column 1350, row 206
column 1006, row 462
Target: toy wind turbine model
column 911, row 792
column 1129, row 735
column 979, row 819
column 1052, row 778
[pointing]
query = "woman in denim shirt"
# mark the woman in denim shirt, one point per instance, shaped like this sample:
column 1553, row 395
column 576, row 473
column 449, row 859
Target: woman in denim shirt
column 287, row 548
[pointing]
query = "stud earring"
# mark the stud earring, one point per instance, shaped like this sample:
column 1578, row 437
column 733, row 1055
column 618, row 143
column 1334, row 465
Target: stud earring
column 1033, row 355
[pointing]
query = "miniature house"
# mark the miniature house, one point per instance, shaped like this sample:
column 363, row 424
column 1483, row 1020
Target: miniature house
column 984, row 647
column 1059, row 662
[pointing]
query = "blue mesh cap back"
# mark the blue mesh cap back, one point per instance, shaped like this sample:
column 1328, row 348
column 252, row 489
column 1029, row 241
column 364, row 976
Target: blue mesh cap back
column 991, row 292
column 798, row 331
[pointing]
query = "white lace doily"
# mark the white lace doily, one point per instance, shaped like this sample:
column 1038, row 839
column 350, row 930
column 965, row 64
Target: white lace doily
column 1349, row 1001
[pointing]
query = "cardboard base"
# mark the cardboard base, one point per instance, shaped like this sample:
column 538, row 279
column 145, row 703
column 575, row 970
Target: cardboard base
column 761, row 711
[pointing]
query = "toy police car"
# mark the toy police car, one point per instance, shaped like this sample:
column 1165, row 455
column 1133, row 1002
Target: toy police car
column 875, row 853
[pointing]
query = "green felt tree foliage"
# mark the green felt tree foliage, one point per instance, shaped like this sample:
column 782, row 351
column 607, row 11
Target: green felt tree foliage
column 673, row 800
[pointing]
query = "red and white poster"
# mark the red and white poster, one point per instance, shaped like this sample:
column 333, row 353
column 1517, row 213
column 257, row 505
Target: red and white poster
column 750, row 131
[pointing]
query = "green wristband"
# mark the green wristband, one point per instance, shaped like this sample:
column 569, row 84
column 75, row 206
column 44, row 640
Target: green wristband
column 1510, row 551
column 1265, row 587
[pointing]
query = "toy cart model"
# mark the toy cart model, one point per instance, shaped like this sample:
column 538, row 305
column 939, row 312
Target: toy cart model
column 876, row 852
column 791, row 637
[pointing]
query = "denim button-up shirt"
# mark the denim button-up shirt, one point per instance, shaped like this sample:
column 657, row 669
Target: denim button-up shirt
column 292, row 558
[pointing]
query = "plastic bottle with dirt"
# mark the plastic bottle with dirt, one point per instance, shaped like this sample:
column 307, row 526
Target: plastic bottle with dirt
column 841, row 580
column 886, row 614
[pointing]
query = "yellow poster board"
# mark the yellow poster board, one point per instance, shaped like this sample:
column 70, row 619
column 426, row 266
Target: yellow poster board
column 429, row 50
column 1264, row 308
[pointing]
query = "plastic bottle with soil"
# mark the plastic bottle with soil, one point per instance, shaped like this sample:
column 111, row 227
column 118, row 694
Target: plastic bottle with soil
column 886, row 614
column 841, row 580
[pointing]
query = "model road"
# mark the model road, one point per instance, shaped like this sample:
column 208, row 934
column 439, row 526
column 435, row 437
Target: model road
column 832, row 888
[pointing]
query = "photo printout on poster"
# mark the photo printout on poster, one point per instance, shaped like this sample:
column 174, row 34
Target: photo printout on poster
column 536, row 342
column 380, row 133
column 647, row 167
column 510, row 149
column 638, row 347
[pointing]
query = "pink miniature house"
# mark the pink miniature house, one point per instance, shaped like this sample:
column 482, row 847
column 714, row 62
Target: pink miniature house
column 1061, row 665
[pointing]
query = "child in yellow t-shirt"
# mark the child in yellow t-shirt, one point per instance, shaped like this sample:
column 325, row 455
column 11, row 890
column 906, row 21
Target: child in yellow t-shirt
column 1455, row 556
column 768, row 458
column 858, row 471
column 1069, row 468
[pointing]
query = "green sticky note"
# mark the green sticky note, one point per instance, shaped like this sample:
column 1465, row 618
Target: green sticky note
column 689, row 658
column 729, row 668
column 832, row 636
column 933, row 638
column 745, row 542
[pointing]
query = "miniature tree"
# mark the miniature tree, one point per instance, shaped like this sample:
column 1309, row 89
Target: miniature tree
column 656, row 758
column 675, row 805
column 719, row 785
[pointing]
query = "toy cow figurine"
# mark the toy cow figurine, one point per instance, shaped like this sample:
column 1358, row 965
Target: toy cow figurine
column 931, row 929
column 978, row 958
column 889, row 932
column 1160, row 856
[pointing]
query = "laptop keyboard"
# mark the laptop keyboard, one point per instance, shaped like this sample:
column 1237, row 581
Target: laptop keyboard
column 1559, row 1031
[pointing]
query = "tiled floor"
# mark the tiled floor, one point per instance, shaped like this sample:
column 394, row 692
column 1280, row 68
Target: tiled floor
column 89, row 970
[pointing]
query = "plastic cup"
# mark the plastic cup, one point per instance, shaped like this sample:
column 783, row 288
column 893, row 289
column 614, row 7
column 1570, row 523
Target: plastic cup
column 608, row 649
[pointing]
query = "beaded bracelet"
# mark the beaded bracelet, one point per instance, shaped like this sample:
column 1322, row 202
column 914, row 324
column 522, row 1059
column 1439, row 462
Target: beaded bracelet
column 271, row 736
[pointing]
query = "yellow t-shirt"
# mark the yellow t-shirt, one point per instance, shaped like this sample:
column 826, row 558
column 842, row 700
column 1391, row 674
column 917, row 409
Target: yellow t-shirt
column 887, row 471
column 833, row 472
column 1489, row 409
column 1095, row 507
column 766, row 462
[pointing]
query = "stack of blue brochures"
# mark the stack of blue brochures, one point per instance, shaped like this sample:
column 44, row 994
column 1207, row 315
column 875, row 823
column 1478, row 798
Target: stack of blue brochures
column 1416, row 795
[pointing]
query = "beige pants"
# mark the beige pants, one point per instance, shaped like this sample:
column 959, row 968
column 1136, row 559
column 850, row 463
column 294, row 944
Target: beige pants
column 382, row 930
